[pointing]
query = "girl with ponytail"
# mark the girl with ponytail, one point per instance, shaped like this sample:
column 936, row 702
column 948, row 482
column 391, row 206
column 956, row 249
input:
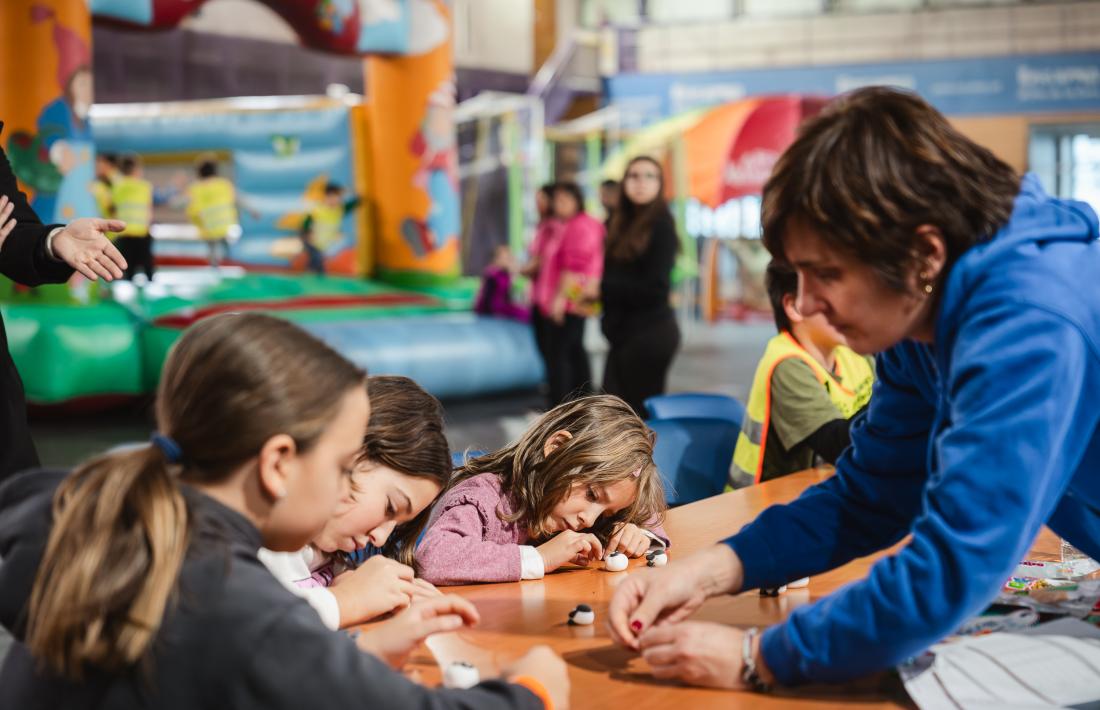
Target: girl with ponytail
column 133, row 582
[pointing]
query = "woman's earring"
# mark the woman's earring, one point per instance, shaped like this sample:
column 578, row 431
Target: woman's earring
column 925, row 278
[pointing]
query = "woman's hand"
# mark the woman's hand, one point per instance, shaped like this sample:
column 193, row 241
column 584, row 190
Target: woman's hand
column 569, row 546
column 695, row 653
column 395, row 639
column 630, row 539
column 84, row 246
column 669, row 595
column 546, row 667
column 378, row 586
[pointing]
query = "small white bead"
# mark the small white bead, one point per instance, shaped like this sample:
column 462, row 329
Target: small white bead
column 584, row 618
column 617, row 562
column 460, row 675
column 658, row 560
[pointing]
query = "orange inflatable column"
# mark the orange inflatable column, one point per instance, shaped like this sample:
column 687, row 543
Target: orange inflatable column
column 45, row 95
column 413, row 153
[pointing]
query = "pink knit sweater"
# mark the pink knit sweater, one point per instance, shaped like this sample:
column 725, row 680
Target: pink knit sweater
column 466, row 540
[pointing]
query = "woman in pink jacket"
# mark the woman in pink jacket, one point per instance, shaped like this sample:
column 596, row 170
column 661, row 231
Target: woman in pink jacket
column 569, row 262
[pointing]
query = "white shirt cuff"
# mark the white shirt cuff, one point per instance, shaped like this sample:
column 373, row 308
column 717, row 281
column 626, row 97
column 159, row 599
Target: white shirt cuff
column 49, row 242
column 324, row 603
column 654, row 539
column 530, row 563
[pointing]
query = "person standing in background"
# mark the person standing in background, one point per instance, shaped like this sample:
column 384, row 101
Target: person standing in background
column 33, row 253
column 212, row 207
column 572, row 265
column 546, row 233
column 637, row 320
column 132, row 201
column 321, row 228
column 610, row 192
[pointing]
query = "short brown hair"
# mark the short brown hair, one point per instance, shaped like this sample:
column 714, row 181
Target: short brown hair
column 609, row 442
column 405, row 433
column 875, row 165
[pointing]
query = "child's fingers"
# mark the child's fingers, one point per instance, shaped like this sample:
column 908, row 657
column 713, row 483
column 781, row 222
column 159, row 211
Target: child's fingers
column 595, row 546
column 440, row 624
column 401, row 571
column 426, row 589
column 451, row 604
column 614, row 543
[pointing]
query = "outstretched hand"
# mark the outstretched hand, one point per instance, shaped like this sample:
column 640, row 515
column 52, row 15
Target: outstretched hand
column 84, row 246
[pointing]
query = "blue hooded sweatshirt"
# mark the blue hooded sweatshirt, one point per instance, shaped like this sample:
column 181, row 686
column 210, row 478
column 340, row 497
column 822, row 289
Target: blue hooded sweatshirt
column 970, row 444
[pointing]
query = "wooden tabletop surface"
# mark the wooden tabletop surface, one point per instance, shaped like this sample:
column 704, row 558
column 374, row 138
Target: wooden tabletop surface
column 516, row 616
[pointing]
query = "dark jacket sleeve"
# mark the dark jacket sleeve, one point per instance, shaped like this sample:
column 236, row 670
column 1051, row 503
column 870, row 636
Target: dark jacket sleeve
column 341, row 676
column 23, row 257
column 26, row 502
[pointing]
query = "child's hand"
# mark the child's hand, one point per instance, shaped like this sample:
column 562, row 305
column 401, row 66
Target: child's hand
column 630, row 539
column 394, row 640
column 569, row 546
column 378, row 586
column 424, row 590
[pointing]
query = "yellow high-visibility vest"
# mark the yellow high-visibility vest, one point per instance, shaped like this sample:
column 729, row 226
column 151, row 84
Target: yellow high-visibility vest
column 133, row 202
column 213, row 207
column 101, row 191
column 849, row 390
column 325, row 225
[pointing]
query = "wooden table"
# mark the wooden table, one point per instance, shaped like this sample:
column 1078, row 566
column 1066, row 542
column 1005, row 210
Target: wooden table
column 516, row 616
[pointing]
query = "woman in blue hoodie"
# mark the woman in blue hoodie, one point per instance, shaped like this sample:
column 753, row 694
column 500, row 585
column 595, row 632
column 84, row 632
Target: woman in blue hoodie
column 981, row 295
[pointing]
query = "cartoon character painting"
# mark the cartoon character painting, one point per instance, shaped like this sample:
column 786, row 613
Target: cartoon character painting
column 434, row 146
column 57, row 160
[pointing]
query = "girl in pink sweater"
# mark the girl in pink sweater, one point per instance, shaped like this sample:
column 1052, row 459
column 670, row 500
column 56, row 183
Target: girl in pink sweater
column 579, row 485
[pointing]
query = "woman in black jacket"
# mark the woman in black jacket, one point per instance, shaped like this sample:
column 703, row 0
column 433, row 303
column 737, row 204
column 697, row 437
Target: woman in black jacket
column 639, row 255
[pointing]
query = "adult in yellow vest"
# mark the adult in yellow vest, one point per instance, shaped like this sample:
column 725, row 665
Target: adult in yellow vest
column 212, row 207
column 807, row 387
column 321, row 228
column 132, row 201
column 106, row 170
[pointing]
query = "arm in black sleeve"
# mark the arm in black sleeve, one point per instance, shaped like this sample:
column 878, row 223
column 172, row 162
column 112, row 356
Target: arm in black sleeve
column 339, row 675
column 830, row 440
column 23, row 256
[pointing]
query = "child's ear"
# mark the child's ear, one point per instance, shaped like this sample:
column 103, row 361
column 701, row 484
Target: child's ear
column 556, row 440
column 790, row 307
column 278, row 458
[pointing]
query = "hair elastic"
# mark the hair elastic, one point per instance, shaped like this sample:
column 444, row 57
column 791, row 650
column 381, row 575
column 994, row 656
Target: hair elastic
column 168, row 446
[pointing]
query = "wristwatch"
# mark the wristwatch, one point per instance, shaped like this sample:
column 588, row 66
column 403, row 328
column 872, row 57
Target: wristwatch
column 750, row 676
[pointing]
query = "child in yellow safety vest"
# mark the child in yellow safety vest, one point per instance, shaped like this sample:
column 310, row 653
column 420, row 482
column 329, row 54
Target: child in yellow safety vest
column 806, row 390
column 321, row 228
column 131, row 199
column 212, row 208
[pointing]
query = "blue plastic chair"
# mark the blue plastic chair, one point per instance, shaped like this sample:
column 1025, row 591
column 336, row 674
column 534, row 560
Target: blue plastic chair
column 693, row 456
column 459, row 457
column 696, row 404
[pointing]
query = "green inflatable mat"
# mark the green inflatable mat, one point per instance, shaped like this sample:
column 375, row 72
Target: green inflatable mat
column 67, row 351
